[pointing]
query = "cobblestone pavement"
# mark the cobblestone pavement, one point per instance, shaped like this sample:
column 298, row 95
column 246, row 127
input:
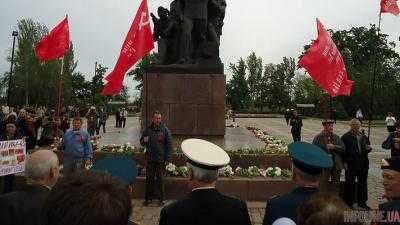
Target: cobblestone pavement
column 276, row 127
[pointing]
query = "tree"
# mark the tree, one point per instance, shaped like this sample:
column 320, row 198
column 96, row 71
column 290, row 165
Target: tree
column 306, row 91
column 141, row 68
column 237, row 90
column 278, row 84
column 97, row 85
column 81, row 90
column 255, row 72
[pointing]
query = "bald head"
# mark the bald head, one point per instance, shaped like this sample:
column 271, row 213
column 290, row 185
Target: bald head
column 42, row 167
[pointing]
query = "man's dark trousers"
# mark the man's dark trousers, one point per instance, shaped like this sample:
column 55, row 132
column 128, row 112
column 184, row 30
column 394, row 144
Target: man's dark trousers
column 351, row 186
column 154, row 180
column 296, row 135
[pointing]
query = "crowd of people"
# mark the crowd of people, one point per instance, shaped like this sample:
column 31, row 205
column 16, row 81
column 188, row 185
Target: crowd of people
column 43, row 127
column 87, row 195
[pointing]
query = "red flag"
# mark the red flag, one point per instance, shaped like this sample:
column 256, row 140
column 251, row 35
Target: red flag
column 113, row 87
column 325, row 64
column 138, row 43
column 390, row 6
column 55, row 44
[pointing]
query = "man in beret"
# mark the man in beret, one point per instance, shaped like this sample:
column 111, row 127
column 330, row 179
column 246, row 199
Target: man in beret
column 204, row 204
column 334, row 146
column 308, row 162
column 391, row 184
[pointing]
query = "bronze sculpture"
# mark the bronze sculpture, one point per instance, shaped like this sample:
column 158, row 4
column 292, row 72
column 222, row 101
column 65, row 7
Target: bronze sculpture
column 188, row 34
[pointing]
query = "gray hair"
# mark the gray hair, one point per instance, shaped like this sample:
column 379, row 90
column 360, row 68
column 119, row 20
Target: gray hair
column 203, row 175
column 354, row 121
column 39, row 164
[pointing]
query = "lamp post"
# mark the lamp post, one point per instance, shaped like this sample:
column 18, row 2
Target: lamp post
column 94, row 84
column 14, row 34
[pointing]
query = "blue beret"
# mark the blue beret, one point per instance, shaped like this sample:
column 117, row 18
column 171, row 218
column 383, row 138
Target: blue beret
column 309, row 158
column 120, row 167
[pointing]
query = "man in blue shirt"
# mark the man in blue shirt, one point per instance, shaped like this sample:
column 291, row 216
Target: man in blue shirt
column 76, row 148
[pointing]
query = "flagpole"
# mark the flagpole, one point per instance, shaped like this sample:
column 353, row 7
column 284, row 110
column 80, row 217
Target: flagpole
column 371, row 107
column 59, row 87
column 146, row 103
column 331, row 106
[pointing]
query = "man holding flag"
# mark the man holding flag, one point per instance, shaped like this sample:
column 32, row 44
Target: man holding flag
column 325, row 65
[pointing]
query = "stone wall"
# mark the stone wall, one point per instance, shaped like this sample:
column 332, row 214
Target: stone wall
column 191, row 104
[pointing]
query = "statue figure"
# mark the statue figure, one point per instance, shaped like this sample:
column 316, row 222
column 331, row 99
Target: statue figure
column 194, row 29
column 160, row 34
column 216, row 15
column 167, row 32
column 189, row 33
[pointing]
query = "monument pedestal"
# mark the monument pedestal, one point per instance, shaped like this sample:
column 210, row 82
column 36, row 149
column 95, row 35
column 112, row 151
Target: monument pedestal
column 190, row 104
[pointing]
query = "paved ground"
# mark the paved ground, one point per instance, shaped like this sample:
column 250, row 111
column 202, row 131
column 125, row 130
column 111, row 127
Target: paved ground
column 235, row 139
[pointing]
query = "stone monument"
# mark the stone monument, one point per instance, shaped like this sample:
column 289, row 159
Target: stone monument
column 188, row 86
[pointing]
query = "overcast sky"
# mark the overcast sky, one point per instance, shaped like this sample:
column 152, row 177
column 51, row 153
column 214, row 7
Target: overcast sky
column 271, row 28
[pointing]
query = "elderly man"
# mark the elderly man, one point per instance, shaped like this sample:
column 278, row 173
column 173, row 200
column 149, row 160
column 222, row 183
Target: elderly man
column 334, row 146
column 356, row 159
column 25, row 207
column 204, row 204
column 158, row 142
column 308, row 163
column 391, row 184
column 76, row 148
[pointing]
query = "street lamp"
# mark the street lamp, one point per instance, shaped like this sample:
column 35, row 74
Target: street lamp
column 14, row 34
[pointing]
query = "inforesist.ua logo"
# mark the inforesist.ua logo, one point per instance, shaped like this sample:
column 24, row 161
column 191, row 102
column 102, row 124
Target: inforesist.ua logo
column 373, row 216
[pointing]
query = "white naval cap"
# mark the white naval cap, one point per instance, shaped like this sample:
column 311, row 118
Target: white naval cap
column 284, row 221
column 204, row 154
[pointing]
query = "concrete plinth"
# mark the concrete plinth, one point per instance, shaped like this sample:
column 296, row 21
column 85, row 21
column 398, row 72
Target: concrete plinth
column 191, row 104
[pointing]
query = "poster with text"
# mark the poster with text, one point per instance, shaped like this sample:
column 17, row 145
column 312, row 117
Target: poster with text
column 12, row 157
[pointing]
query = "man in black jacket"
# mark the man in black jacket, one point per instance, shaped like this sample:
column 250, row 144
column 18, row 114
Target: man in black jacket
column 296, row 122
column 357, row 165
column 393, row 141
column 25, row 207
column 158, row 142
column 204, row 204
